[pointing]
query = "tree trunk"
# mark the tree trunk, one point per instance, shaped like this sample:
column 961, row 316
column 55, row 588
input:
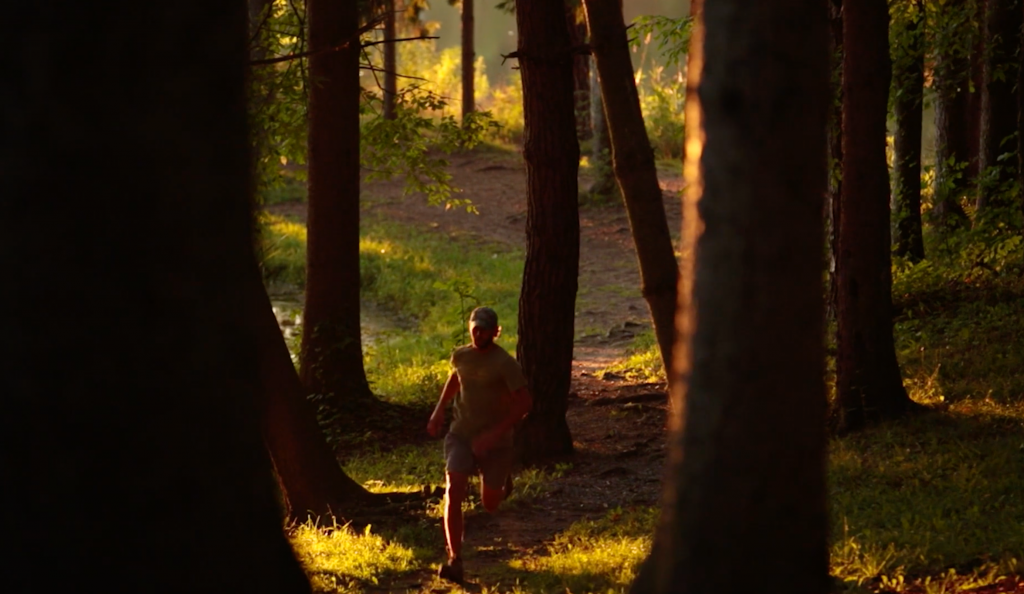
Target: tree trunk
column 977, row 77
column 390, row 62
column 868, row 383
column 468, row 56
column 332, row 354
column 747, row 478
column 951, row 82
column 313, row 483
column 580, row 68
column 603, row 189
column 548, row 295
column 908, row 84
column 833, row 212
column 633, row 160
column 656, row 568
column 129, row 423
column 998, row 99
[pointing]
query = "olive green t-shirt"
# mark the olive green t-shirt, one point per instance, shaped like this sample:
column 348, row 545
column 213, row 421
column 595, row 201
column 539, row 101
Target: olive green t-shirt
column 487, row 378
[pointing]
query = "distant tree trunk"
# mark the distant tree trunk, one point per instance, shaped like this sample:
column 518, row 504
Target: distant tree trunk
column 580, row 68
column 468, row 57
column 976, row 64
column 633, row 160
column 868, row 383
column 390, row 62
column 908, row 84
column 746, row 479
column 603, row 189
column 332, row 354
column 952, row 144
column 833, row 212
column 308, row 472
column 998, row 96
column 130, row 429
column 1020, row 118
column 548, row 296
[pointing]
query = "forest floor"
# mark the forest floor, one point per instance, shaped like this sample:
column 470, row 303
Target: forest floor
column 946, row 519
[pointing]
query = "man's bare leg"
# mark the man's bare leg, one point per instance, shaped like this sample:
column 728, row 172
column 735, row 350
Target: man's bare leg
column 458, row 484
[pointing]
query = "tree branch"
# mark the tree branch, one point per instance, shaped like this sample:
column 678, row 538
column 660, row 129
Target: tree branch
column 355, row 37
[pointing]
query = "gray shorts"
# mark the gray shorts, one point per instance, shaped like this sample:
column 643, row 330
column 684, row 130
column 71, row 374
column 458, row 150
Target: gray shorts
column 494, row 467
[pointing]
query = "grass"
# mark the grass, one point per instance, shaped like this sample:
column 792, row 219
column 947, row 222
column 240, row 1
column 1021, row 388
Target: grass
column 932, row 504
column 422, row 286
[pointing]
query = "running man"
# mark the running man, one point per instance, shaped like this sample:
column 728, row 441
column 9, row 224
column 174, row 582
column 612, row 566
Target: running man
column 491, row 396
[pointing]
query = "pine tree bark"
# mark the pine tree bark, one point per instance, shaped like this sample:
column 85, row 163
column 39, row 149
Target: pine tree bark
column 548, row 295
column 633, row 161
column 747, row 477
column 908, row 84
column 951, row 82
column 468, row 57
column 390, row 61
column 998, row 98
column 868, row 383
column 311, row 480
column 976, row 63
column 332, row 354
column 128, row 373
column 833, row 210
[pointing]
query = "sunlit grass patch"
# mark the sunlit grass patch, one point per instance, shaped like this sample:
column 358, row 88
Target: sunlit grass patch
column 914, row 499
column 592, row 555
column 283, row 250
column 405, row 468
column 339, row 559
column 642, row 362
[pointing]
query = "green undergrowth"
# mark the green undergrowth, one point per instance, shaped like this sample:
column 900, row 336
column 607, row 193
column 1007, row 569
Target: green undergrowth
column 642, row 362
column 422, row 283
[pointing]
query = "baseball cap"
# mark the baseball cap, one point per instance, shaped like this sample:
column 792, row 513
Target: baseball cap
column 483, row 316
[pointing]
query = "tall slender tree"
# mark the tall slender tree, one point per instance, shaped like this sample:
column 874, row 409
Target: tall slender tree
column 868, row 382
column 390, row 91
column 468, row 55
column 907, row 48
column 548, row 296
column 332, row 354
column 575, row 18
column 833, row 210
column 976, row 68
column 603, row 188
column 633, row 160
column 129, row 395
column 998, row 99
column 952, row 40
column 747, row 473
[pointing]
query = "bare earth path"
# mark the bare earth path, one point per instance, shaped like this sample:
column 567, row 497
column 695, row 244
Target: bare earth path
column 618, row 427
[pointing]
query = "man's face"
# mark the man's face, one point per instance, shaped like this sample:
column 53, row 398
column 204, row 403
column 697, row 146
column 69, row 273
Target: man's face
column 482, row 335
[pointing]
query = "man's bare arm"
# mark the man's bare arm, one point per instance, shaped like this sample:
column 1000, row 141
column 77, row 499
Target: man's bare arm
column 451, row 388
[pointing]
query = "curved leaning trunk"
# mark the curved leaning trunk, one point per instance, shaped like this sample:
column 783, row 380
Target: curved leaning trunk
column 633, row 162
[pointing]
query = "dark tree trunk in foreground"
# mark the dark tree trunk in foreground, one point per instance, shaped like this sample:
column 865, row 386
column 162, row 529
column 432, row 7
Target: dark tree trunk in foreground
column 747, row 479
column 908, row 84
column 390, row 62
column 603, row 189
column 128, row 375
column 312, row 481
column 951, row 82
column 868, row 383
column 468, row 57
column 833, row 212
column 548, row 296
column 633, row 160
column 332, row 354
column 999, row 98
column 580, row 68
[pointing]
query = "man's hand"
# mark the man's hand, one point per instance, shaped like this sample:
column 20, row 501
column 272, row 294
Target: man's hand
column 436, row 423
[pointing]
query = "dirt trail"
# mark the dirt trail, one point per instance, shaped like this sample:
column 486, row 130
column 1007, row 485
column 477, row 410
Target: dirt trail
column 618, row 428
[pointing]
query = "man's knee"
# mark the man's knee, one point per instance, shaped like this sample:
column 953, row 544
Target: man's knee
column 492, row 498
